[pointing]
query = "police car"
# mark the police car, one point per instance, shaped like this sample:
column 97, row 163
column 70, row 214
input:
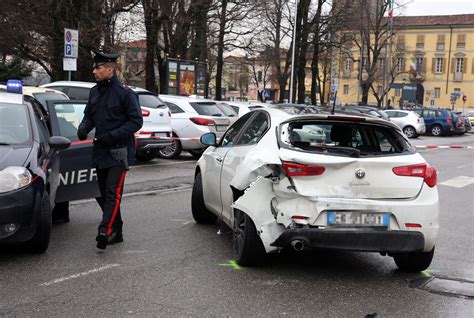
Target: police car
column 29, row 169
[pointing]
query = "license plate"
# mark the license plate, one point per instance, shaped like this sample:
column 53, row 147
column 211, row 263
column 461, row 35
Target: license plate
column 160, row 134
column 221, row 128
column 349, row 218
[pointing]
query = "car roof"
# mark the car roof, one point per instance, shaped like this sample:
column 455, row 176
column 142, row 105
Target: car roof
column 187, row 99
column 71, row 83
column 11, row 98
column 28, row 90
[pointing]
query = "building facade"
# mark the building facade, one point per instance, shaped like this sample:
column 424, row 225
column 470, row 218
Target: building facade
column 435, row 54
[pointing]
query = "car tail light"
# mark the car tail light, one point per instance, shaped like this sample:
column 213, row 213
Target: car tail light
column 202, row 121
column 449, row 120
column 296, row 169
column 145, row 112
column 415, row 225
column 422, row 170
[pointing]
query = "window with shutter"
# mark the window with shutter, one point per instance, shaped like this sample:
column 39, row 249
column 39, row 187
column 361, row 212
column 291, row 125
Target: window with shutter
column 461, row 41
column 440, row 42
column 420, row 41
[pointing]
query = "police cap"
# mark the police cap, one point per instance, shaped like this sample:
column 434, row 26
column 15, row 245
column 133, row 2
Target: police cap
column 101, row 58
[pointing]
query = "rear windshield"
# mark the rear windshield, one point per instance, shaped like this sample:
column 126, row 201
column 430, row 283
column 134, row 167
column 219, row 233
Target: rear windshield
column 227, row 110
column 150, row 101
column 43, row 97
column 207, row 109
column 14, row 125
column 343, row 139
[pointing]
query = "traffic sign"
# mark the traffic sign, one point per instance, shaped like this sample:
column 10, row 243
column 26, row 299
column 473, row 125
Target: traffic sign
column 69, row 64
column 432, row 102
column 71, row 43
column 464, row 98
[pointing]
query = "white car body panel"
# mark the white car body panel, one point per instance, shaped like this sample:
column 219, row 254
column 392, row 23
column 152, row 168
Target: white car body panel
column 407, row 199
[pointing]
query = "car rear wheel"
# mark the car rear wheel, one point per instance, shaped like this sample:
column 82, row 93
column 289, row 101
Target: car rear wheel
column 247, row 245
column 413, row 262
column 436, row 130
column 40, row 241
column 145, row 156
column 172, row 151
column 200, row 213
column 410, row 132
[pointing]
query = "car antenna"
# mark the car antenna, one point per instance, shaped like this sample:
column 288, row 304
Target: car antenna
column 334, row 103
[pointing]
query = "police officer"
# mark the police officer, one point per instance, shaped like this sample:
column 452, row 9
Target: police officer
column 114, row 112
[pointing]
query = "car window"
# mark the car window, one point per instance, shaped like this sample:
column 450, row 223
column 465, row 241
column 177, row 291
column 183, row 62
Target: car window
column 236, row 109
column 14, row 124
column 232, row 133
column 207, row 109
column 255, row 130
column 429, row 113
column 392, row 114
column 227, row 110
column 150, row 101
column 43, row 131
column 78, row 93
column 69, row 118
column 418, row 111
column 174, row 109
column 43, row 97
column 402, row 114
column 344, row 139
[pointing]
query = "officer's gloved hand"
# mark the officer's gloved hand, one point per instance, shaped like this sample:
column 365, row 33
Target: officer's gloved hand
column 81, row 133
column 105, row 139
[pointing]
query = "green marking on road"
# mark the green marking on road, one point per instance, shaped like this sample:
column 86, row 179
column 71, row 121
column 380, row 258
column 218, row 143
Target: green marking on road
column 184, row 222
column 232, row 264
column 429, row 272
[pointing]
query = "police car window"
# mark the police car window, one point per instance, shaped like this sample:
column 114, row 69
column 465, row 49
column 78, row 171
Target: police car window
column 14, row 124
column 232, row 133
column 175, row 109
column 150, row 101
column 43, row 132
column 255, row 130
column 69, row 118
column 77, row 93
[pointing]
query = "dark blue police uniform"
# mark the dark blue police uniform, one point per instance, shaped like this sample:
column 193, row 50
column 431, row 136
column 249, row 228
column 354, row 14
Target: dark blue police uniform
column 113, row 110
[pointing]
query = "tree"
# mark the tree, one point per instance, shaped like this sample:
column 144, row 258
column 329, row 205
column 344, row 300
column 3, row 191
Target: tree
column 260, row 71
column 14, row 69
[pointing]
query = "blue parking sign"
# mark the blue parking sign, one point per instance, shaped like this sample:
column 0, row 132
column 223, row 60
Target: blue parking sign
column 68, row 50
column 432, row 102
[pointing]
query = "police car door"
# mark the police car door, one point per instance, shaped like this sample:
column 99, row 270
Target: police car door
column 77, row 180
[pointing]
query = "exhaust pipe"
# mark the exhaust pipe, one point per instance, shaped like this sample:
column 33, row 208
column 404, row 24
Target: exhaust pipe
column 298, row 245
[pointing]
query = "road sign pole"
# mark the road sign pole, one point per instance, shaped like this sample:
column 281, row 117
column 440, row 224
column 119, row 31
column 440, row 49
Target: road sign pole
column 69, row 76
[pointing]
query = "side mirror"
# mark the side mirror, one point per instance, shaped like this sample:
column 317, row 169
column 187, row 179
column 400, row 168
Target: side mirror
column 209, row 139
column 59, row 143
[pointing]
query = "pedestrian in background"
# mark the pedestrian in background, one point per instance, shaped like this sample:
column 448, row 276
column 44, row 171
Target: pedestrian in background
column 113, row 110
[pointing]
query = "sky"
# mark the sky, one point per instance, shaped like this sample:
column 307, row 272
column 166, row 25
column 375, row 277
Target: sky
column 433, row 7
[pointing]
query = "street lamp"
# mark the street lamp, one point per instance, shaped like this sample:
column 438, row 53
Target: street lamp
column 293, row 53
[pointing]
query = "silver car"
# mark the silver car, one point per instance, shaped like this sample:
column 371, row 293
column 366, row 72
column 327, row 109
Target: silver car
column 412, row 124
column 191, row 118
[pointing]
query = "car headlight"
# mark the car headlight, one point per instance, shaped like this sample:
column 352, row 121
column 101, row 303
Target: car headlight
column 13, row 178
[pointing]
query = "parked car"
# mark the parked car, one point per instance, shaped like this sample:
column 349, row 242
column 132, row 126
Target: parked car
column 411, row 123
column 228, row 111
column 370, row 110
column 459, row 125
column 470, row 116
column 191, row 118
column 156, row 116
column 365, row 189
column 243, row 108
column 438, row 121
column 29, row 170
column 465, row 118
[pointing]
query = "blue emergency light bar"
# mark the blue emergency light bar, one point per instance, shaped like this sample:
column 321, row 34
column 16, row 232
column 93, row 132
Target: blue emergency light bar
column 14, row 86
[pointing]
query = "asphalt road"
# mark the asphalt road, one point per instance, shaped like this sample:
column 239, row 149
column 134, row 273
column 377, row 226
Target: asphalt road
column 169, row 266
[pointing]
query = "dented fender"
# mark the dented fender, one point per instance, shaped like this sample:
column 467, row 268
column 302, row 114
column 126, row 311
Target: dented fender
column 255, row 202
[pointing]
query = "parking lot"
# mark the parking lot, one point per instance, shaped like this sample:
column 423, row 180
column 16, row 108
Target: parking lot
column 171, row 266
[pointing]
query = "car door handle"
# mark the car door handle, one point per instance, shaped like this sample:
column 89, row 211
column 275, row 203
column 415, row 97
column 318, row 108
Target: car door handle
column 219, row 159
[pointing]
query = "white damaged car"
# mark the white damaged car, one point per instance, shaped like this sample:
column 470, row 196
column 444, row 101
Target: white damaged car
column 278, row 183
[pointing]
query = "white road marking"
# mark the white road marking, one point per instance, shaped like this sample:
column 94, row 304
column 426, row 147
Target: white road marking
column 92, row 271
column 161, row 164
column 465, row 166
column 134, row 194
column 458, row 182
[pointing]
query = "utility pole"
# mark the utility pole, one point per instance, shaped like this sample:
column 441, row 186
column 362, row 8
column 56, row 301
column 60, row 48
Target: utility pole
column 388, row 63
column 293, row 54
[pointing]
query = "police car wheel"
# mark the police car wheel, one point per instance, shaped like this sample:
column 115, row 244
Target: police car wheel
column 40, row 241
column 172, row 151
column 200, row 213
